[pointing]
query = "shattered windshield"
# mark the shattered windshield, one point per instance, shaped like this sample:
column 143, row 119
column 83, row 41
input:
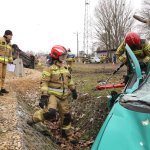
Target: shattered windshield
column 138, row 100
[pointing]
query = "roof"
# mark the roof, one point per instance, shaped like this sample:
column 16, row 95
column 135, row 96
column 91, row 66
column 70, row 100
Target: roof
column 102, row 51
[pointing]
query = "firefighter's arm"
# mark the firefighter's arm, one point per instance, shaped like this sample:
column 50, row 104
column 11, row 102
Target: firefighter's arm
column 2, row 44
column 120, row 51
column 71, row 85
column 3, row 47
column 44, row 80
column 72, row 88
column 146, row 50
column 10, row 57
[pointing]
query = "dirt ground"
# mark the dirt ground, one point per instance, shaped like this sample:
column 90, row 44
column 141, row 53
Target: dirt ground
column 88, row 111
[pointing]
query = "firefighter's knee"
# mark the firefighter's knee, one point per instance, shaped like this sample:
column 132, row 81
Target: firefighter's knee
column 67, row 119
column 51, row 114
column 38, row 116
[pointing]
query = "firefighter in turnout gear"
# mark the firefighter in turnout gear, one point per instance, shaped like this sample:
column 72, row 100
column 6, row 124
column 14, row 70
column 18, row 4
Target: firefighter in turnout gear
column 70, row 60
column 140, row 47
column 5, row 57
column 56, row 86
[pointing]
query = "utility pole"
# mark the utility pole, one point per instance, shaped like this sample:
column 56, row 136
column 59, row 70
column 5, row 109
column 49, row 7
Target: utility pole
column 77, row 44
column 77, row 34
column 86, row 28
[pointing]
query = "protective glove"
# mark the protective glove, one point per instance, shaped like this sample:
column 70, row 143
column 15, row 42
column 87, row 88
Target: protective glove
column 43, row 101
column 114, row 96
column 74, row 94
column 143, row 65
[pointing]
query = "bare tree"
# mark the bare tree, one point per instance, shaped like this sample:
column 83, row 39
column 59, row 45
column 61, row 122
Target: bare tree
column 113, row 21
column 144, row 17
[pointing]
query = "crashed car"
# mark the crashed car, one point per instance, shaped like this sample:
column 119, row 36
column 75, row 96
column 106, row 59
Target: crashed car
column 127, row 126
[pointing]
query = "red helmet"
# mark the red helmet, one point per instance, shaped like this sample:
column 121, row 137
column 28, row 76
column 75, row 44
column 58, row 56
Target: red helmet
column 132, row 39
column 57, row 51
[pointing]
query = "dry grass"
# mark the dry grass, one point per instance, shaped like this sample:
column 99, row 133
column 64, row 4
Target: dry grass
column 90, row 109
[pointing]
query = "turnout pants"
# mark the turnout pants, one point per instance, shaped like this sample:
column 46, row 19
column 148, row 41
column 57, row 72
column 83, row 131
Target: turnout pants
column 2, row 74
column 55, row 103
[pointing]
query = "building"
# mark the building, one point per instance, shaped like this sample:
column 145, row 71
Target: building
column 104, row 52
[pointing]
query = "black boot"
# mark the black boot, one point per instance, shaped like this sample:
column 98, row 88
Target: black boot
column 4, row 91
column 70, row 137
column 63, row 134
column 30, row 122
column 1, row 94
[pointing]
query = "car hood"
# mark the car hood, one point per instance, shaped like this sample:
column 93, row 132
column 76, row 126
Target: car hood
column 124, row 130
column 127, row 126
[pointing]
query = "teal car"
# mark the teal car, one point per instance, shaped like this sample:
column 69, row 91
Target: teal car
column 127, row 126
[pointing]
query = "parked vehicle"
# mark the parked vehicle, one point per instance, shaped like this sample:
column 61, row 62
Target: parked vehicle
column 127, row 127
column 94, row 60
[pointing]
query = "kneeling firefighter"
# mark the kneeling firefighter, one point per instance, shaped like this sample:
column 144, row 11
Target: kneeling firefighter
column 56, row 86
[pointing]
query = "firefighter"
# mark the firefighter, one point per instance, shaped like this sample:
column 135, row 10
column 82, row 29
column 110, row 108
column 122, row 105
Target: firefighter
column 140, row 47
column 49, row 60
column 70, row 59
column 56, row 86
column 5, row 57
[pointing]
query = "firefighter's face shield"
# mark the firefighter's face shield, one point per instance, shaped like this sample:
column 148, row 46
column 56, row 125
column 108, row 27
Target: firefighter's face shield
column 62, row 58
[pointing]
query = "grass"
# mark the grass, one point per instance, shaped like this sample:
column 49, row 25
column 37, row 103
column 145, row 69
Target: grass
column 86, row 77
column 92, row 104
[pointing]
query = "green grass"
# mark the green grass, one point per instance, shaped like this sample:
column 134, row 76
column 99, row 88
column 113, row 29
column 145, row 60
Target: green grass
column 87, row 75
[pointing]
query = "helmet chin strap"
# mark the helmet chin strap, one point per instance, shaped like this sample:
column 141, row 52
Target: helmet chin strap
column 60, row 61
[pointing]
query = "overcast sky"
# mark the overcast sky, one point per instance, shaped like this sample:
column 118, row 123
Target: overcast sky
column 37, row 25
